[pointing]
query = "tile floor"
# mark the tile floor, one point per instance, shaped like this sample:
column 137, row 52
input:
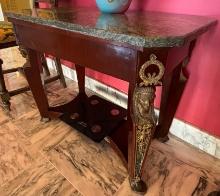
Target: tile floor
column 51, row 158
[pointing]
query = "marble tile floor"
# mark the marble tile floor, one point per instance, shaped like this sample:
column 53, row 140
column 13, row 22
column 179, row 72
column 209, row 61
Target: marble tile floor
column 51, row 158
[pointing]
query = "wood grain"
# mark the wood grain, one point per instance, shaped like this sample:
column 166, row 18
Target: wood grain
column 81, row 167
column 165, row 175
column 82, row 162
column 14, row 156
column 40, row 179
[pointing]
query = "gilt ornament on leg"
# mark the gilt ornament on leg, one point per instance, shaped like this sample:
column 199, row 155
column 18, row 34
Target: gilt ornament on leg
column 144, row 117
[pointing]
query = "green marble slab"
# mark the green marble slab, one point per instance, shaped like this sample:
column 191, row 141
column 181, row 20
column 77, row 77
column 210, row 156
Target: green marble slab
column 140, row 29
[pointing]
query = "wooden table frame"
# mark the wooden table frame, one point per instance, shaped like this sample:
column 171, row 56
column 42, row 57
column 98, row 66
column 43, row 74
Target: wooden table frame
column 136, row 65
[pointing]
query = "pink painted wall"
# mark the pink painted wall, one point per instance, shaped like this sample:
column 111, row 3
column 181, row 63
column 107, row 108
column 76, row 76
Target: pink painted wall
column 200, row 104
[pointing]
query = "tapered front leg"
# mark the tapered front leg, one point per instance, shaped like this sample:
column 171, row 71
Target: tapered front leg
column 144, row 127
column 32, row 73
column 143, row 118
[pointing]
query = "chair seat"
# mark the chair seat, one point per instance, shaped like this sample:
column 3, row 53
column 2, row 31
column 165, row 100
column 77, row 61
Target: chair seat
column 6, row 33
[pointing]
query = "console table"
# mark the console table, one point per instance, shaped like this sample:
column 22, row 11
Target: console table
column 146, row 49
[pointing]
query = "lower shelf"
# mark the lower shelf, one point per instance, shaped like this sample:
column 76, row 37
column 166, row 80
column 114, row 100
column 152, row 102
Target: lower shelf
column 93, row 116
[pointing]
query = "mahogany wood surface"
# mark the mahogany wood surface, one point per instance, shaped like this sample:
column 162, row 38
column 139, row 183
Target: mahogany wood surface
column 117, row 59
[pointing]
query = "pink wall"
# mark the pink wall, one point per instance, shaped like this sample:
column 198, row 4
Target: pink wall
column 200, row 104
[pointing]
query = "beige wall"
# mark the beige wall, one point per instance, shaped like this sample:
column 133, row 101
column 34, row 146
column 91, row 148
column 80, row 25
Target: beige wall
column 1, row 14
column 16, row 4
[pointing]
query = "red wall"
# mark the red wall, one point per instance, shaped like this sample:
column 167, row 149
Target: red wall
column 200, row 104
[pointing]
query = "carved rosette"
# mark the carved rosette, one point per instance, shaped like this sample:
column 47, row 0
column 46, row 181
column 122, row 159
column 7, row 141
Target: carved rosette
column 143, row 110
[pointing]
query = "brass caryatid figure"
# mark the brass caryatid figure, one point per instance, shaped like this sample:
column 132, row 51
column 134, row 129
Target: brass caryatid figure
column 144, row 116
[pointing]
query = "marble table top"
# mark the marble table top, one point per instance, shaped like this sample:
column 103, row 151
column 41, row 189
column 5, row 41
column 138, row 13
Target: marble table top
column 140, row 29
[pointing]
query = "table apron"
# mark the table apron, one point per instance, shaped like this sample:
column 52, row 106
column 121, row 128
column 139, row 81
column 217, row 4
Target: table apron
column 88, row 51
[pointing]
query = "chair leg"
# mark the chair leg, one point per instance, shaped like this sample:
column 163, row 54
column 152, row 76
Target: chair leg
column 60, row 72
column 45, row 66
column 4, row 95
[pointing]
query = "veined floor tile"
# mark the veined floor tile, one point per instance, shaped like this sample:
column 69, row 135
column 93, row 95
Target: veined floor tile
column 21, row 104
column 166, row 176
column 93, row 168
column 186, row 189
column 47, row 138
column 58, row 95
column 3, row 117
column 15, row 80
column 29, row 122
column 11, row 57
column 43, row 136
column 14, row 156
column 40, row 179
column 197, row 161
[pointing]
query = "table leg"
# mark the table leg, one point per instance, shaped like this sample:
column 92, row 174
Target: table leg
column 32, row 73
column 173, row 87
column 143, row 120
column 80, row 71
column 171, row 94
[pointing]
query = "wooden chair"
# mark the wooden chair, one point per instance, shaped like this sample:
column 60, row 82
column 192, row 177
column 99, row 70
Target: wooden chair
column 7, row 39
column 53, row 3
